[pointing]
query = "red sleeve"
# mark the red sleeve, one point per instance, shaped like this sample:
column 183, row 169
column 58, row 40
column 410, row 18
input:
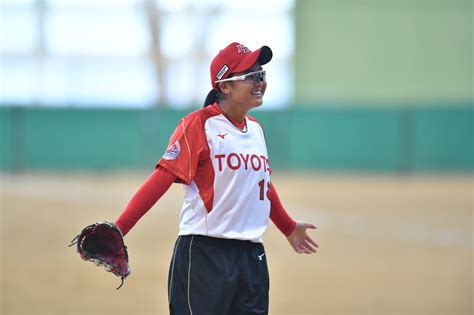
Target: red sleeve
column 155, row 186
column 278, row 214
column 186, row 147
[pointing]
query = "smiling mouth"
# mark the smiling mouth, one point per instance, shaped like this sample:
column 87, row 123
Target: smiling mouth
column 257, row 93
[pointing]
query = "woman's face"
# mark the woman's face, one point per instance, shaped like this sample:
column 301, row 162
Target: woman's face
column 248, row 93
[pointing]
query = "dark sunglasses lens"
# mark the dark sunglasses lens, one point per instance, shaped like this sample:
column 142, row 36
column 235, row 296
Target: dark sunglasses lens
column 256, row 77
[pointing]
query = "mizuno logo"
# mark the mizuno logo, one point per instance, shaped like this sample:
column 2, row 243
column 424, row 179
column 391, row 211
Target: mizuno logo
column 261, row 256
column 222, row 135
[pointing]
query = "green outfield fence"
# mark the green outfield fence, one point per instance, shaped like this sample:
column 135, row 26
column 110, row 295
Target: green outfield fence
column 438, row 138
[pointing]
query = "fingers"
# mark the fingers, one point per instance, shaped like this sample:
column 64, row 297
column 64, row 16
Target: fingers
column 311, row 247
column 305, row 248
column 308, row 225
column 310, row 240
column 300, row 241
column 303, row 251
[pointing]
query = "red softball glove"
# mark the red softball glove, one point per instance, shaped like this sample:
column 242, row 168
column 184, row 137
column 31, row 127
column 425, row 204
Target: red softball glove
column 102, row 243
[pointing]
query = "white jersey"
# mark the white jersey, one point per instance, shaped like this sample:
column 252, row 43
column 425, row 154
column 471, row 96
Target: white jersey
column 226, row 172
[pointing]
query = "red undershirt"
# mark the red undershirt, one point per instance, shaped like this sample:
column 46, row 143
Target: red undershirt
column 158, row 184
column 241, row 125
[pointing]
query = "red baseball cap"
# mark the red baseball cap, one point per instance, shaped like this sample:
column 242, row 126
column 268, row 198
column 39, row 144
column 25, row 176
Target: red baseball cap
column 237, row 58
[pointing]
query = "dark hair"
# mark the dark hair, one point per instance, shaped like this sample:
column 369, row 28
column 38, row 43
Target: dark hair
column 212, row 97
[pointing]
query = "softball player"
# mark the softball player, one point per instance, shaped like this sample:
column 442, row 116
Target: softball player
column 219, row 153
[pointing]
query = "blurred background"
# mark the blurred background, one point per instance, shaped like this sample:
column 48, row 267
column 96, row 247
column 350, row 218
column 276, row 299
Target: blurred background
column 369, row 120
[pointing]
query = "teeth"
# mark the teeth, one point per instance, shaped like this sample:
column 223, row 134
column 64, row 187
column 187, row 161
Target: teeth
column 257, row 93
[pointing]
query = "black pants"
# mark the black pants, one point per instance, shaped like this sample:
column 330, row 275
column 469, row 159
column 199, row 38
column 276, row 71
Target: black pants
column 213, row 276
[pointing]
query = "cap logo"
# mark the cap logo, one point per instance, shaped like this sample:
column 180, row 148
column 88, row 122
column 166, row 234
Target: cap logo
column 241, row 49
column 221, row 72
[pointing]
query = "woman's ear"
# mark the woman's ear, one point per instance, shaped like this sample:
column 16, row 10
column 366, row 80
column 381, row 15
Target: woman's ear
column 224, row 87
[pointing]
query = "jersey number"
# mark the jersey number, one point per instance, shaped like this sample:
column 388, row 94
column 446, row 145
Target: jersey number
column 262, row 185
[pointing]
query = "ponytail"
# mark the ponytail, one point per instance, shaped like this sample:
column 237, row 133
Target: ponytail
column 212, row 97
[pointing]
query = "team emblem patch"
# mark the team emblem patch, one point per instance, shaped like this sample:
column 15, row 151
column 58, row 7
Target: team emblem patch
column 172, row 152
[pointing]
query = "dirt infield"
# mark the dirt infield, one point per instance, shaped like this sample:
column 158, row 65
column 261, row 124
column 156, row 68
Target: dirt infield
column 388, row 245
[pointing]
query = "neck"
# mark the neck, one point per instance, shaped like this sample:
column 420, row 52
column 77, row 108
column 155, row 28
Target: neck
column 237, row 113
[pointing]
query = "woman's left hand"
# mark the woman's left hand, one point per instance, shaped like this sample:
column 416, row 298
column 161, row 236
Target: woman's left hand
column 300, row 240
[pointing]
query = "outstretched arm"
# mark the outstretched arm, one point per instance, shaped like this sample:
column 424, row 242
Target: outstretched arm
column 153, row 189
column 295, row 232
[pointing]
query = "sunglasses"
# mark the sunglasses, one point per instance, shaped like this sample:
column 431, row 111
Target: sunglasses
column 251, row 77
